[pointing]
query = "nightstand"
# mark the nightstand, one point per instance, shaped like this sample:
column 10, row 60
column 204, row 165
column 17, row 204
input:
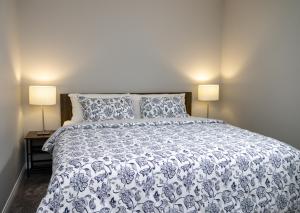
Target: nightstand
column 36, row 159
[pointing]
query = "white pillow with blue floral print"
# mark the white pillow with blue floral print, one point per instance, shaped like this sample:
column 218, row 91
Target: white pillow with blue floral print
column 77, row 115
column 101, row 109
column 163, row 107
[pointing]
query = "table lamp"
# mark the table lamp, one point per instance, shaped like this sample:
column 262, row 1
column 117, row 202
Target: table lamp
column 42, row 96
column 208, row 92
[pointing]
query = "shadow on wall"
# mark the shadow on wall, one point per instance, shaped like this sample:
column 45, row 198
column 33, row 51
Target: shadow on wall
column 11, row 169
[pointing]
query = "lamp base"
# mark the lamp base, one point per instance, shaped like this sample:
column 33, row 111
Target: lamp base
column 42, row 133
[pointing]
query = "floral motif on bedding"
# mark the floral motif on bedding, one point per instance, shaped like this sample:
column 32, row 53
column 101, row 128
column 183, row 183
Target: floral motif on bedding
column 100, row 109
column 170, row 166
column 163, row 107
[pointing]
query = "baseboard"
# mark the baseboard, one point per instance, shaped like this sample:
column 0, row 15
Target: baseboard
column 13, row 191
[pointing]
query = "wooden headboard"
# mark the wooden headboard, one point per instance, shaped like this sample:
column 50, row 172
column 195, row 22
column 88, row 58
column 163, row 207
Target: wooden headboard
column 66, row 106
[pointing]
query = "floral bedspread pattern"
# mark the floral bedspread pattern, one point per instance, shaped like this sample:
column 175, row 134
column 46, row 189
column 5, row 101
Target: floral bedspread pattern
column 170, row 166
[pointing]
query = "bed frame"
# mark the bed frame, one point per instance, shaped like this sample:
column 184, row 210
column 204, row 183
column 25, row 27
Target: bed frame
column 66, row 106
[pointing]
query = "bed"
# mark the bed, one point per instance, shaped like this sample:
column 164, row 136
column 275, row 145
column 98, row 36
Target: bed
column 169, row 165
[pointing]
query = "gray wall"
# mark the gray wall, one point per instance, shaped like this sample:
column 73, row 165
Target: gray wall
column 261, row 67
column 134, row 45
column 118, row 46
column 11, row 157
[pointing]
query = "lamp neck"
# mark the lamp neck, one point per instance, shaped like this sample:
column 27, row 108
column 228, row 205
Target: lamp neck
column 207, row 110
column 43, row 118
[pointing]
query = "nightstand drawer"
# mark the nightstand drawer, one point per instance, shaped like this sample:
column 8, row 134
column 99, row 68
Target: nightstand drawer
column 38, row 142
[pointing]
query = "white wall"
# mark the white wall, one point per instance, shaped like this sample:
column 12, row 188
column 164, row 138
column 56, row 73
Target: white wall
column 117, row 46
column 261, row 67
column 11, row 148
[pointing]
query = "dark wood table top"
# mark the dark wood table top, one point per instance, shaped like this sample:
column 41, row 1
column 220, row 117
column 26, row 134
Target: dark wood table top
column 35, row 135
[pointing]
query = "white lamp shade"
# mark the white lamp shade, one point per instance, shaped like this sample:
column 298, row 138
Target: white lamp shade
column 208, row 92
column 42, row 95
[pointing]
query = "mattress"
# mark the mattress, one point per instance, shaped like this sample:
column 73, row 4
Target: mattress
column 170, row 165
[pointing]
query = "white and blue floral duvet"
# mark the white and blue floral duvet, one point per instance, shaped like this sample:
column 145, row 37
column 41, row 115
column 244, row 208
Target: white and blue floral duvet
column 187, row 165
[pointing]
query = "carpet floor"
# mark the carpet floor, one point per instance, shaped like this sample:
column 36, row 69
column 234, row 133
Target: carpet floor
column 30, row 193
